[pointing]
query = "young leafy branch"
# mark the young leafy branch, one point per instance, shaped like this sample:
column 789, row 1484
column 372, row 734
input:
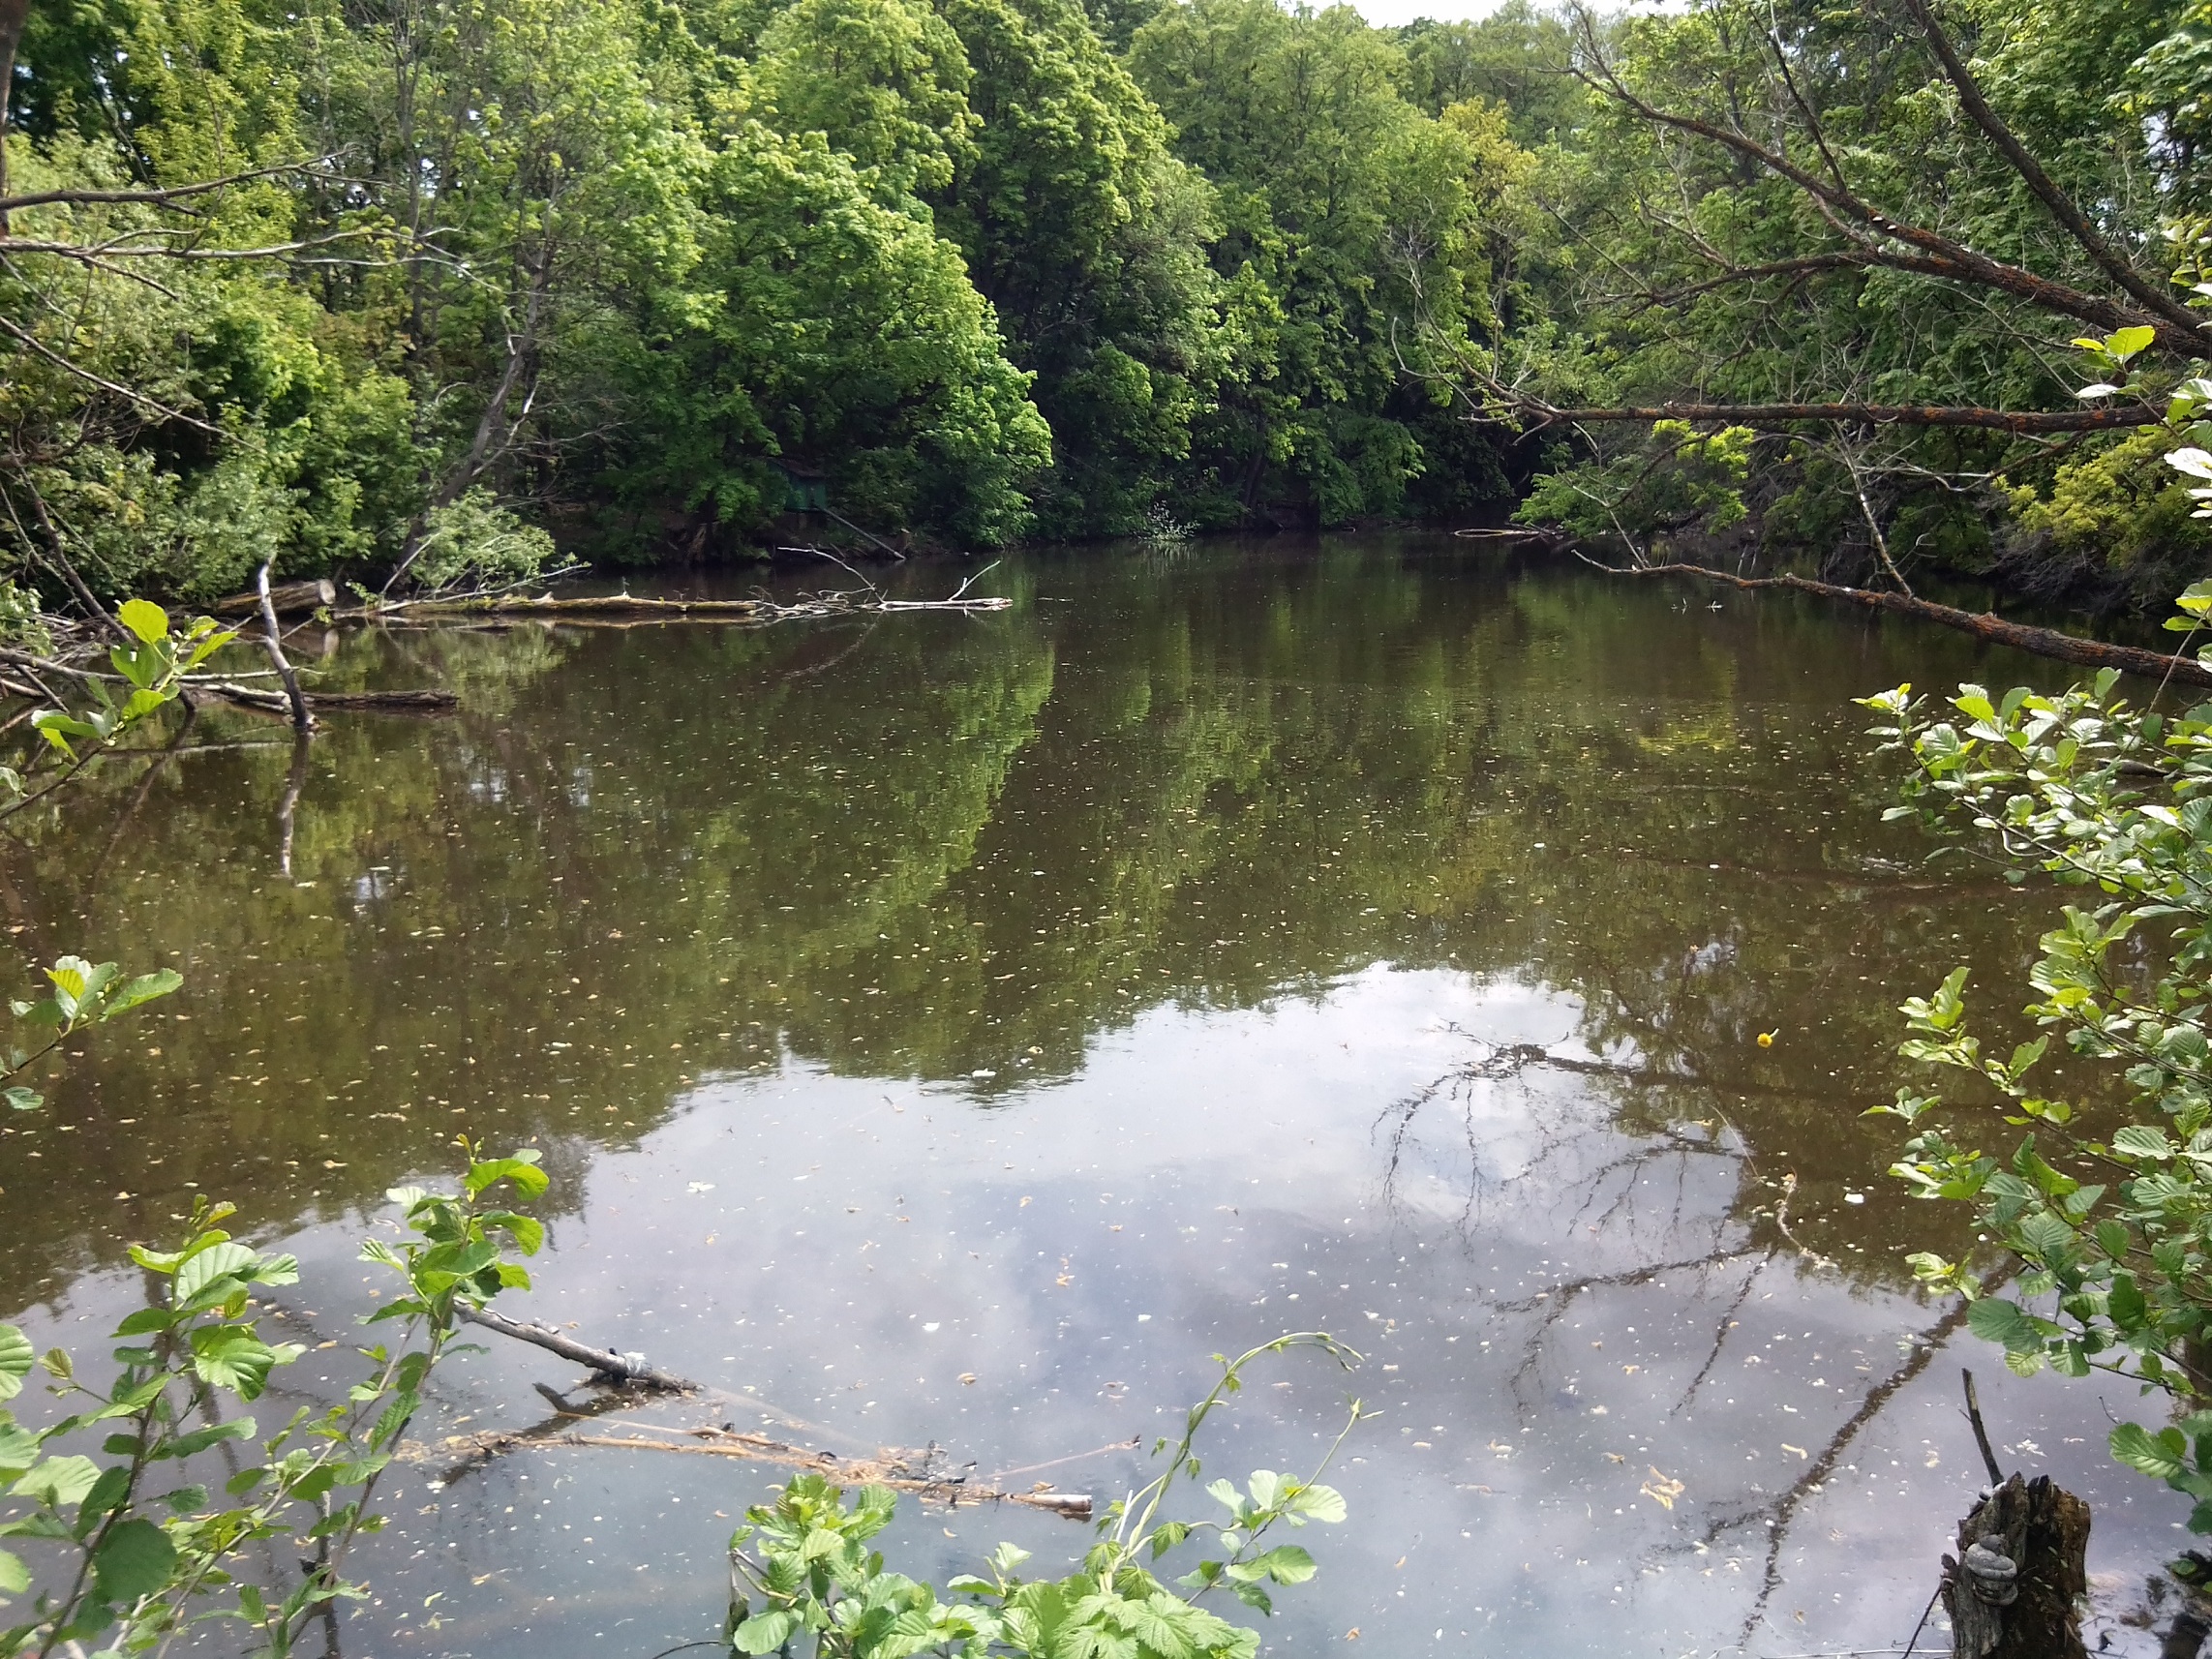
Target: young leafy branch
column 135, row 1554
column 804, row 1558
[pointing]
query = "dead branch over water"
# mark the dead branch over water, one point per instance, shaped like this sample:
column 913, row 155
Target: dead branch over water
column 621, row 1371
column 900, row 1469
column 1983, row 625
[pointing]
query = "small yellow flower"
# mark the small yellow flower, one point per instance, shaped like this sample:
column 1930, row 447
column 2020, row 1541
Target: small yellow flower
column 1767, row 1037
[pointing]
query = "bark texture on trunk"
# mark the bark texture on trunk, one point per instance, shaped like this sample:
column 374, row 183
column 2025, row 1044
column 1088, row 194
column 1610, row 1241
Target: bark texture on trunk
column 2023, row 1563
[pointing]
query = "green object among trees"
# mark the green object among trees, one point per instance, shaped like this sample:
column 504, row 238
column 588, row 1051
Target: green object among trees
column 803, row 491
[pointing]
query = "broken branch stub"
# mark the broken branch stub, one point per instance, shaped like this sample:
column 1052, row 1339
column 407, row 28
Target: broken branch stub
column 2012, row 1593
column 625, row 1371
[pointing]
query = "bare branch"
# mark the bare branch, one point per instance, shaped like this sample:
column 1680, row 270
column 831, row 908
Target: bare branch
column 2152, row 294
column 1872, row 228
column 174, row 192
column 106, row 386
column 1985, row 626
column 2102, row 419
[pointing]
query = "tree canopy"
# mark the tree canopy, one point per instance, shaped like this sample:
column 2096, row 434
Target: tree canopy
column 333, row 284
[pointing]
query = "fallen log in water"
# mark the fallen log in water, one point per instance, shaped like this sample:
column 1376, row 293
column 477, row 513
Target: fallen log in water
column 889, row 1467
column 1552, row 537
column 287, row 598
column 626, row 605
column 423, row 702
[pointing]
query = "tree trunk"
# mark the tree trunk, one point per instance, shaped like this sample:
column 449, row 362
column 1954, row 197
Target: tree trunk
column 2023, row 1561
column 14, row 14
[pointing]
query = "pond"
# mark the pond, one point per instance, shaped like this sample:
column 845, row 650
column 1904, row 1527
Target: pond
column 951, row 1029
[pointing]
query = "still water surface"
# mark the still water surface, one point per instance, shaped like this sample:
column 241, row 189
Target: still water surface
column 953, row 1029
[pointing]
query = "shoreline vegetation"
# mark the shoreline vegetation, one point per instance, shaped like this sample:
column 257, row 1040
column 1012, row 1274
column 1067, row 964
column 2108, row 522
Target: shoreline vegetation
column 437, row 296
column 396, row 314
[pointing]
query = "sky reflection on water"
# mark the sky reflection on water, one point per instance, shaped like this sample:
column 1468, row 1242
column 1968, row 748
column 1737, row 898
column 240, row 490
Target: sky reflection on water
column 951, row 1031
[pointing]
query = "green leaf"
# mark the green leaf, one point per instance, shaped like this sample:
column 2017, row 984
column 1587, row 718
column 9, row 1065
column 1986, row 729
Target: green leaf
column 232, row 1357
column 1286, row 1564
column 2155, row 1456
column 23, row 1100
column 2127, row 342
column 14, row 1578
column 199, row 1439
column 1320, row 1504
column 135, row 1560
column 2125, row 1302
column 145, row 618
column 143, row 989
column 1996, row 1320
column 59, row 1481
column 522, row 1169
column 15, row 1361
column 764, row 1632
column 203, row 1268
column 2142, row 1141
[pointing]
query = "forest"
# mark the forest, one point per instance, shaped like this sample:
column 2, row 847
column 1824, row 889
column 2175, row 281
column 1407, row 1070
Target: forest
column 451, row 291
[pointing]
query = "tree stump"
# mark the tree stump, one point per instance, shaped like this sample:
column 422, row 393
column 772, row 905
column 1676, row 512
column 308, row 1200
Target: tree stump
column 2023, row 1563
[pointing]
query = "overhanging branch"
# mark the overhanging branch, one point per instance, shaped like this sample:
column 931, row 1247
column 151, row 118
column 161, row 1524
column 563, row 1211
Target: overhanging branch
column 2024, row 421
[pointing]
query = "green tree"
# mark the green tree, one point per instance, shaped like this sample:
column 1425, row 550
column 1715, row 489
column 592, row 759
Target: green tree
column 1090, row 238
column 1352, row 247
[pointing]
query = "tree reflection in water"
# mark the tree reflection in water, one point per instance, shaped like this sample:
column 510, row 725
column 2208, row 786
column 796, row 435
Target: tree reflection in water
column 701, row 909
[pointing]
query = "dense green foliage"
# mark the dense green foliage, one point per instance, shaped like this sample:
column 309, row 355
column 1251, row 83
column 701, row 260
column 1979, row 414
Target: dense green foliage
column 635, row 279
column 129, row 1549
column 1707, row 246
column 637, row 274
column 2104, row 1223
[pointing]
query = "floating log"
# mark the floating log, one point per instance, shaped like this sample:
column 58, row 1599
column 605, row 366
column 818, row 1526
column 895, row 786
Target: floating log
column 421, row 701
column 623, row 1370
column 289, row 599
column 626, row 605
column 601, row 604
column 889, row 1467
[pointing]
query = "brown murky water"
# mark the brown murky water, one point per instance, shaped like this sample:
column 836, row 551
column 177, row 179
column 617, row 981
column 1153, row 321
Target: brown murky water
column 955, row 1028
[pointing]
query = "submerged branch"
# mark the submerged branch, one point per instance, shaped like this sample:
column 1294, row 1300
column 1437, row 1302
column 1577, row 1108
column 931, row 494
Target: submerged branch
column 889, row 1467
column 1983, row 625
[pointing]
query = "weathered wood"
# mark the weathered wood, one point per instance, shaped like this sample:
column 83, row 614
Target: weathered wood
column 429, row 701
column 2100, row 419
column 272, row 641
column 901, row 1472
column 600, row 604
column 623, row 1370
column 1981, row 625
column 288, row 598
column 673, row 610
column 2023, row 1561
